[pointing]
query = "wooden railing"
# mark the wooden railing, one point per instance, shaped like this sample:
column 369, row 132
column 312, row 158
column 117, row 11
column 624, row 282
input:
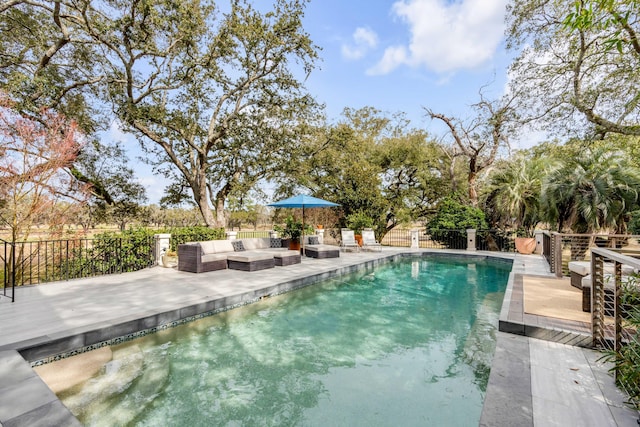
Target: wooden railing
column 615, row 310
column 562, row 248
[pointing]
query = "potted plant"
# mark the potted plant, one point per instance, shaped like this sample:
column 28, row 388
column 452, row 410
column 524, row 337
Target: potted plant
column 291, row 232
column 357, row 222
column 170, row 259
column 525, row 244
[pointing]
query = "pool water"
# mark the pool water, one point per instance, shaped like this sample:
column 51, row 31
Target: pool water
column 409, row 343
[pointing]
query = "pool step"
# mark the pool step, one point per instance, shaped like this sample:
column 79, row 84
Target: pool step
column 132, row 371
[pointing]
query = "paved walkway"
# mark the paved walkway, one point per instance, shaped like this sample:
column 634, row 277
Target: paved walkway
column 537, row 379
column 533, row 382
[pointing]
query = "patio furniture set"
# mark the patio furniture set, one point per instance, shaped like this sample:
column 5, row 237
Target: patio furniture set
column 580, row 274
column 253, row 254
column 243, row 254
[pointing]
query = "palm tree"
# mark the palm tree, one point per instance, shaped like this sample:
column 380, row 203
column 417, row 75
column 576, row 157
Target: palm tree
column 513, row 193
column 593, row 191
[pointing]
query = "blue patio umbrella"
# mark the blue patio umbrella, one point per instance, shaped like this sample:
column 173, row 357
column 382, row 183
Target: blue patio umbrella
column 303, row 201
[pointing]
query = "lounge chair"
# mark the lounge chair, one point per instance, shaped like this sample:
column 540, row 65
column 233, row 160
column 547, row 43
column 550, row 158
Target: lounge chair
column 369, row 240
column 348, row 240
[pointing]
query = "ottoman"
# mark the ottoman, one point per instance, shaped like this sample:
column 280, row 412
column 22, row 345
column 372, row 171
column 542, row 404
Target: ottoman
column 250, row 261
column 286, row 258
column 578, row 270
column 322, row 251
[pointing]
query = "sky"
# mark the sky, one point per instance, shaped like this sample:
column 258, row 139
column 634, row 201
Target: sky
column 407, row 55
column 401, row 56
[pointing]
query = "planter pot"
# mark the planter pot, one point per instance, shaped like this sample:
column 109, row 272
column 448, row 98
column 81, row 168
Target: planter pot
column 169, row 261
column 294, row 245
column 358, row 239
column 525, row 245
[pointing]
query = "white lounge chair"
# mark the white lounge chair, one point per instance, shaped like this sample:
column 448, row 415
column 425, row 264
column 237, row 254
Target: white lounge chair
column 348, row 240
column 369, row 240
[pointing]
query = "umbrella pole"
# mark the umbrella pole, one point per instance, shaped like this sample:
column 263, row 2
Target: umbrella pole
column 302, row 230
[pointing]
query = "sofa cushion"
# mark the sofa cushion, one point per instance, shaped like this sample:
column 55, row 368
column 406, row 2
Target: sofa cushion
column 249, row 256
column 256, row 243
column 208, row 247
column 313, row 240
column 580, row 267
column 238, row 246
column 222, row 246
column 609, row 281
column 213, row 257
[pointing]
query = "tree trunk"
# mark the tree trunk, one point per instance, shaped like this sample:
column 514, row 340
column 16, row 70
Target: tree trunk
column 200, row 197
column 473, row 193
column 452, row 175
column 220, row 218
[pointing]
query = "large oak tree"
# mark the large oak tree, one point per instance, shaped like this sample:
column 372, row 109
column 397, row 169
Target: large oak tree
column 579, row 64
column 214, row 96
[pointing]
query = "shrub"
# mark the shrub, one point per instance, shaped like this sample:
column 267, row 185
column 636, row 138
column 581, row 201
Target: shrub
column 452, row 219
column 193, row 234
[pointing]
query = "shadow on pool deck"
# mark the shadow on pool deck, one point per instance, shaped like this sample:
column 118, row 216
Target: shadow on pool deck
column 59, row 317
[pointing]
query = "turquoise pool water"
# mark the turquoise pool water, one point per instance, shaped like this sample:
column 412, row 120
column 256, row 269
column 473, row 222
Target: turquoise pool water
column 407, row 344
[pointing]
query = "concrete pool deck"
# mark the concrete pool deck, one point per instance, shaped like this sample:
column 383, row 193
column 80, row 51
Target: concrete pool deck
column 61, row 317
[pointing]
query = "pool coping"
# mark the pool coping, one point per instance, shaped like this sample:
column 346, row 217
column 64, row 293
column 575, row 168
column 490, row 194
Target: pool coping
column 42, row 406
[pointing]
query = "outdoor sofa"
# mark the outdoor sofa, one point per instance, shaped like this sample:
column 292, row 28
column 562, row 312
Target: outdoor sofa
column 249, row 254
column 580, row 273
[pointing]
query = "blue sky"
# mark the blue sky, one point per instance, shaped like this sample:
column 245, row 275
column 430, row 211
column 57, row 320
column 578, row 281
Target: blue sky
column 402, row 56
column 408, row 54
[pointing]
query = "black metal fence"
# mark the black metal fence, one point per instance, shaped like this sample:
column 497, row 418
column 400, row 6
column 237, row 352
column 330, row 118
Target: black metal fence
column 29, row 263
column 486, row 240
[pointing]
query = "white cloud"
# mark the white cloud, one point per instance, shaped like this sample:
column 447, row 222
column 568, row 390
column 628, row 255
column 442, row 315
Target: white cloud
column 446, row 36
column 363, row 40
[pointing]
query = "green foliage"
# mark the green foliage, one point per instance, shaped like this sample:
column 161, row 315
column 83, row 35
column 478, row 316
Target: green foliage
column 634, row 223
column 358, row 221
column 181, row 235
column 593, row 190
column 626, row 361
column 373, row 163
column 293, row 229
column 512, row 194
column 213, row 97
column 110, row 253
column 454, row 215
column 594, row 71
column 452, row 219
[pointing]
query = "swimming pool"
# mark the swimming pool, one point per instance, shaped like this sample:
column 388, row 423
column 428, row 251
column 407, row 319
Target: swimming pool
column 407, row 344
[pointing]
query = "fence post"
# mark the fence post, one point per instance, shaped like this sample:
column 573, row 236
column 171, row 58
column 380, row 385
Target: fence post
column 232, row 235
column 597, row 300
column 163, row 244
column 415, row 239
column 471, row 239
column 9, row 274
column 320, row 234
column 539, row 234
column 557, row 253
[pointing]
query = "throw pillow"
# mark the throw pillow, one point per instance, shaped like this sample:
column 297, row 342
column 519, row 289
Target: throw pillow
column 237, row 245
column 275, row 242
column 313, row 240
